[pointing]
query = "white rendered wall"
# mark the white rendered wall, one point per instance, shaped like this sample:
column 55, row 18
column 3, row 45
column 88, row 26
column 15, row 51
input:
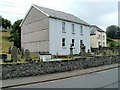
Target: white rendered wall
column 56, row 35
column 95, row 39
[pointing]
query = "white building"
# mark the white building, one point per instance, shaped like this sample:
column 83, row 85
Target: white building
column 52, row 31
column 98, row 37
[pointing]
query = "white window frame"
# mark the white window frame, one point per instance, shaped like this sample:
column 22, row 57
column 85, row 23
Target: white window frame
column 81, row 42
column 73, row 28
column 103, row 44
column 73, row 42
column 103, row 37
column 63, row 42
column 81, row 29
column 99, row 36
column 99, row 43
column 63, row 26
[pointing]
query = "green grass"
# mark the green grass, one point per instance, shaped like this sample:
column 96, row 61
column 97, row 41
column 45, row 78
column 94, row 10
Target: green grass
column 5, row 42
column 117, row 40
column 113, row 42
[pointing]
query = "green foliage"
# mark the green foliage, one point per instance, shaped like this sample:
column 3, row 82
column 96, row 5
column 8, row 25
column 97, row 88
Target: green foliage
column 5, row 42
column 113, row 32
column 6, row 23
column 112, row 43
column 16, row 34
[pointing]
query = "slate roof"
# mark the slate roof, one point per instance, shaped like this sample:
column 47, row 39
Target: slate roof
column 61, row 15
column 95, row 28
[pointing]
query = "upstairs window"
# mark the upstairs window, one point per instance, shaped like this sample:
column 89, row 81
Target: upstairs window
column 103, row 37
column 73, row 28
column 81, row 29
column 63, row 42
column 63, row 26
column 98, row 37
column 73, row 42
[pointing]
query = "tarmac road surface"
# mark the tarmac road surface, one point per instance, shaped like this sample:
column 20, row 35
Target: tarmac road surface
column 103, row 79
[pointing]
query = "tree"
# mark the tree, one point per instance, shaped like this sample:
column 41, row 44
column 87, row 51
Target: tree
column 113, row 32
column 6, row 23
column 16, row 34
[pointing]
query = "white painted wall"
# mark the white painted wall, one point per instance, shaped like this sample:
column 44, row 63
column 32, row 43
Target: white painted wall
column 94, row 39
column 56, row 35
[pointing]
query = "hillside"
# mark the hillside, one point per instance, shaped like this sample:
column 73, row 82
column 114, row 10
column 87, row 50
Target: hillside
column 117, row 40
column 5, row 42
column 113, row 42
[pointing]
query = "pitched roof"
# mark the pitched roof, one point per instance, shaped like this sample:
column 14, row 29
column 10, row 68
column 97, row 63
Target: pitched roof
column 95, row 28
column 59, row 15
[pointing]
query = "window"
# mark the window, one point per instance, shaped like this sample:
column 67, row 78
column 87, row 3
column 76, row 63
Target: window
column 81, row 42
column 73, row 41
column 98, row 36
column 103, row 37
column 81, row 29
column 73, row 28
column 63, row 26
column 63, row 42
column 103, row 44
column 98, row 43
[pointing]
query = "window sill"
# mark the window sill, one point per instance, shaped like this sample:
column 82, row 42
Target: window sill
column 73, row 33
column 73, row 47
column 63, row 32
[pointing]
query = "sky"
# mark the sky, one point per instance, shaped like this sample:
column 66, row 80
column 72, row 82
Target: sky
column 102, row 13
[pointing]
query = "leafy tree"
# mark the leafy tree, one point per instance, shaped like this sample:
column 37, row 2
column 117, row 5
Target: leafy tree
column 113, row 32
column 6, row 23
column 16, row 34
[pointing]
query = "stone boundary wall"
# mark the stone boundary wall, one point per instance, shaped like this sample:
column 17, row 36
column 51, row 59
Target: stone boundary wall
column 32, row 69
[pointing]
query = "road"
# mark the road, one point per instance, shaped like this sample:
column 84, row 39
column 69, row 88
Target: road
column 102, row 79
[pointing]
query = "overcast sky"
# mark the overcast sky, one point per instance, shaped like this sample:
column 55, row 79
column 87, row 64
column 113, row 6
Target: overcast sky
column 102, row 13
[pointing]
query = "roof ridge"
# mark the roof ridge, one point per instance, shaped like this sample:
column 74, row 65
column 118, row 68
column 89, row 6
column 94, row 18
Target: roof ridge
column 54, row 9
